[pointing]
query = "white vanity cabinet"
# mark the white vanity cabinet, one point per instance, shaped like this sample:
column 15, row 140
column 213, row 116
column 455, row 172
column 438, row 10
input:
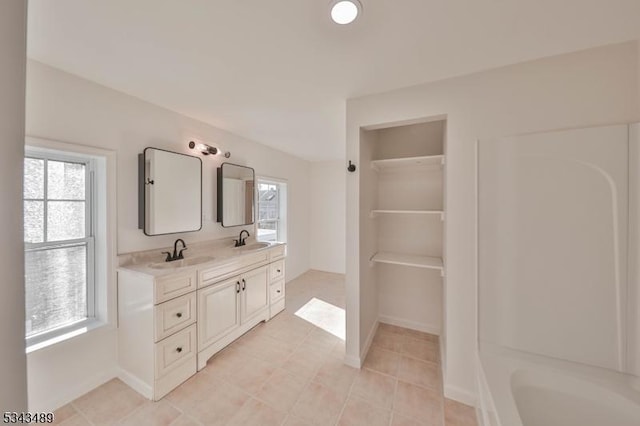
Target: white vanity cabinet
column 229, row 309
column 233, row 298
column 170, row 324
column 157, row 332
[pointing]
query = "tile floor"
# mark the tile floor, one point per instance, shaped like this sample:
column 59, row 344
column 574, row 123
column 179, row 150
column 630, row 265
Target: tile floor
column 290, row 372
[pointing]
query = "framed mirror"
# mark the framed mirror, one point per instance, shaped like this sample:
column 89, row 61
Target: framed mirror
column 236, row 189
column 169, row 192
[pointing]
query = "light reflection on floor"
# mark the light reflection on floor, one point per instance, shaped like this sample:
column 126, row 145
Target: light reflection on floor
column 328, row 317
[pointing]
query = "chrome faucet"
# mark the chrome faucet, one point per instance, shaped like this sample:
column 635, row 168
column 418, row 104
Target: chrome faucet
column 240, row 241
column 177, row 255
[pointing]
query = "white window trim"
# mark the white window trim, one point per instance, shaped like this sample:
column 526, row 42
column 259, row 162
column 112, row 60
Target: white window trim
column 284, row 212
column 89, row 239
column 104, row 231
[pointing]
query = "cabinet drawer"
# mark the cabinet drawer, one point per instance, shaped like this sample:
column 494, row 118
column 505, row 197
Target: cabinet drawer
column 172, row 286
column 276, row 271
column 175, row 350
column 218, row 273
column 237, row 266
column 255, row 260
column 174, row 315
column 276, row 291
column 277, row 252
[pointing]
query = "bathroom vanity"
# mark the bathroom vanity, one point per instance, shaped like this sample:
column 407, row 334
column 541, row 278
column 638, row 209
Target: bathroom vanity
column 173, row 316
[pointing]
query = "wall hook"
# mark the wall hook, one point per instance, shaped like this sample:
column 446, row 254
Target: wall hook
column 351, row 167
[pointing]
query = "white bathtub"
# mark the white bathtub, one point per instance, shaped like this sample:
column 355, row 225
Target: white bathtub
column 518, row 389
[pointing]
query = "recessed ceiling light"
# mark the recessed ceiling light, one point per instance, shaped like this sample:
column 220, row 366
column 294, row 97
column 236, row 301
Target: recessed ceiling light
column 345, row 11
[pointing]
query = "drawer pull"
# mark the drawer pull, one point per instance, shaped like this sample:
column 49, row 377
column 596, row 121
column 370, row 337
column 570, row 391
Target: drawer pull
column 179, row 314
column 237, row 286
column 277, row 291
column 278, row 270
column 244, row 285
column 179, row 349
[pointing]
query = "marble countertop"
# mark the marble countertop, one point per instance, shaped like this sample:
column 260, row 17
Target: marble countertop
column 220, row 251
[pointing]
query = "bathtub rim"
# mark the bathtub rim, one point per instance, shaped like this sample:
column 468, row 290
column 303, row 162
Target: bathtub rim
column 498, row 365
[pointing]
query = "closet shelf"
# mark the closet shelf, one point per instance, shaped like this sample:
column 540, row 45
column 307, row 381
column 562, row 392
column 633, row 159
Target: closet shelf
column 409, row 260
column 374, row 213
column 393, row 163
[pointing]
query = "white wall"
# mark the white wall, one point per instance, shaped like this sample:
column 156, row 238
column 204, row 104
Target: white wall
column 327, row 190
column 66, row 108
column 13, row 383
column 368, row 238
column 598, row 86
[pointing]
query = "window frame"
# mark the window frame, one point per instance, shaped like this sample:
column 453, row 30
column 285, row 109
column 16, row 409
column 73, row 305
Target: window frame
column 89, row 240
column 281, row 221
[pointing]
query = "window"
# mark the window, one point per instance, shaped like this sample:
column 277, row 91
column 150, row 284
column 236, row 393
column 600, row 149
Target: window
column 59, row 243
column 272, row 208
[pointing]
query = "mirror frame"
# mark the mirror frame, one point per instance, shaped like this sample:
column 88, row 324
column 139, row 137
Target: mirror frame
column 142, row 194
column 220, row 197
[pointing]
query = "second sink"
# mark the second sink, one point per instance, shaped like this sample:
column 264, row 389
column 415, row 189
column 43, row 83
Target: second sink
column 253, row 246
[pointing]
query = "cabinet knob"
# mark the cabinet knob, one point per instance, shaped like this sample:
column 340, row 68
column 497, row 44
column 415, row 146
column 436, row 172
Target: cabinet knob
column 179, row 314
column 277, row 291
column 179, row 349
column 278, row 270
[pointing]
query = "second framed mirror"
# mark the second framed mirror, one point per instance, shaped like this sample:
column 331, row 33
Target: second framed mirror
column 236, row 189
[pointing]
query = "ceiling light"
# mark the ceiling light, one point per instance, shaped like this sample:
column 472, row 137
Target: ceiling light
column 345, row 11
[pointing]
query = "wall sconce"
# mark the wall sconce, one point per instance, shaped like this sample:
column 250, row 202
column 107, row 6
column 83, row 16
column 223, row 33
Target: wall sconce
column 207, row 149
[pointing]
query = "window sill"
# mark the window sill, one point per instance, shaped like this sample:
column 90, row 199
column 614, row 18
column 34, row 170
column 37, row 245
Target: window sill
column 80, row 331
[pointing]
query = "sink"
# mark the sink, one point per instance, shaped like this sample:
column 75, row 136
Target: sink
column 253, row 246
column 180, row 263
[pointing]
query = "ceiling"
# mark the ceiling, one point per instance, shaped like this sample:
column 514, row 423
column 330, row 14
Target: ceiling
column 279, row 72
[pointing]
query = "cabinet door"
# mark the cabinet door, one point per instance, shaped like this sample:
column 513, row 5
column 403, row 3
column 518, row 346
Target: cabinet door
column 255, row 293
column 218, row 311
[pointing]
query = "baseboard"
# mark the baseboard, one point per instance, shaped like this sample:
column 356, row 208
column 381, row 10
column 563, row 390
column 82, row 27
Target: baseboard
column 352, row 361
column 59, row 399
column 357, row 361
column 443, row 358
column 486, row 407
column 368, row 342
column 479, row 417
column 340, row 271
column 136, row 384
column 413, row 325
column 460, row 395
